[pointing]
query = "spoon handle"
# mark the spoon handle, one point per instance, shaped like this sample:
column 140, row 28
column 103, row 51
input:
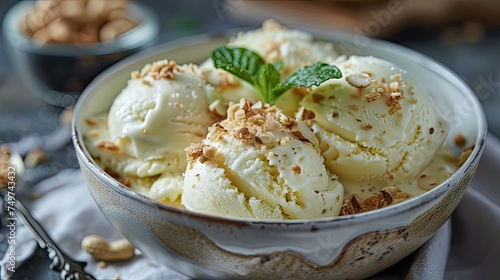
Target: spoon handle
column 69, row 269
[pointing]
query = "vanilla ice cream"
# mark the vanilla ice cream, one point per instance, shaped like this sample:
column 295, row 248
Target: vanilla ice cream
column 161, row 111
column 258, row 163
column 376, row 124
column 290, row 48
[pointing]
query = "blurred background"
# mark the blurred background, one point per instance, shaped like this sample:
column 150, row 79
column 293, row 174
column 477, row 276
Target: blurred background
column 462, row 35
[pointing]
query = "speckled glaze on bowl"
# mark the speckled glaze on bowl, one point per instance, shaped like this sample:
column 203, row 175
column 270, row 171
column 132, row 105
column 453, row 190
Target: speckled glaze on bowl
column 58, row 73
column 349, row 247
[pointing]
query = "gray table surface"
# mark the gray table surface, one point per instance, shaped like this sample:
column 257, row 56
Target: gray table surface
column 23, row 115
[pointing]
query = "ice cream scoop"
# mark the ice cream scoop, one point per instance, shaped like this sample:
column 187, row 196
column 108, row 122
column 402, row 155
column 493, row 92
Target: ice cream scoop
column 376, row 124
column 258, row 163
column 289, row 49
column 163, row 109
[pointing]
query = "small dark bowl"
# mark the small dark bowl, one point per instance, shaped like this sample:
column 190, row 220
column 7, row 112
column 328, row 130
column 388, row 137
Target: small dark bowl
column 58, row 73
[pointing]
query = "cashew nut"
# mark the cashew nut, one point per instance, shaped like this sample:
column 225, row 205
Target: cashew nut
column 100, row 249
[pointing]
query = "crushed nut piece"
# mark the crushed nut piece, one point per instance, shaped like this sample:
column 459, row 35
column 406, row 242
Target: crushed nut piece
column 307, row 114
column 296, row 169
column 372, row 96
column 194, row 152
column 427, row 182
column 317, row 98
column 91, row 122
column 459, row 140
column 366, row 127
column 464, row 156
column 387, row 196
column 396, row 77
column 359, row 80
column 107, row 145
column 394, row 86
column 218, row 109
column 210, row 153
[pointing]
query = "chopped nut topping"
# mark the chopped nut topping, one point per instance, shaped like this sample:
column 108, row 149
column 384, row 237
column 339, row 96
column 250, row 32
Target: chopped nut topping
column 107, row 145
column 394, row 86
column 157, row 70
column 303, row 132
column 218, row 109
column 395, row 96
column 306, row 114
column 91, row 122
column 243, row 133
column 396, row 77
column 135, row 75
column 459, row 140
column 211, row 76
column 359, row 80
column 335, row 114
column 271, row 123
column 317, row 98
column 296, row 169
column 210, row 153
column 194, row 152
column 353, row 107
column 372, row 96
column 431, row 130
column 394, row 108
column 366, row 127
column 264, row 138
column 387, row 196
column 464, row 156
column 301, row 91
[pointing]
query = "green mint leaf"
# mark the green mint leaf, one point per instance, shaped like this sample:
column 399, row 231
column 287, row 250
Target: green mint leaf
column 240, row 62
column 312, row 75
column 268, row 79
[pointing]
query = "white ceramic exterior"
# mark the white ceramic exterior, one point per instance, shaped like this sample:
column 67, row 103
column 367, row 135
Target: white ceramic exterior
column 349, row 247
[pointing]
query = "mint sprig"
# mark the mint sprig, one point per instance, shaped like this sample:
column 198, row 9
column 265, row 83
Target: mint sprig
column 265, row 77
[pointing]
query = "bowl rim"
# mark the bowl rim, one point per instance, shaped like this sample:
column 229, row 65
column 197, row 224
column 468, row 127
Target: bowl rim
column 147, row 30
column 337, row 221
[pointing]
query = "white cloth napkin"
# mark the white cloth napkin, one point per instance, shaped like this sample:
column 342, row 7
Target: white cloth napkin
column 473, row 233
column 65, row 203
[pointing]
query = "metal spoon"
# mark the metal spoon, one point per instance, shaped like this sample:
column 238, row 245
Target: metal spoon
column 68, row 268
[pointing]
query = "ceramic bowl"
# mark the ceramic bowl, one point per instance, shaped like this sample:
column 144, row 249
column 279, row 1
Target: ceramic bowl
column 58, row 73
column 348, row 247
